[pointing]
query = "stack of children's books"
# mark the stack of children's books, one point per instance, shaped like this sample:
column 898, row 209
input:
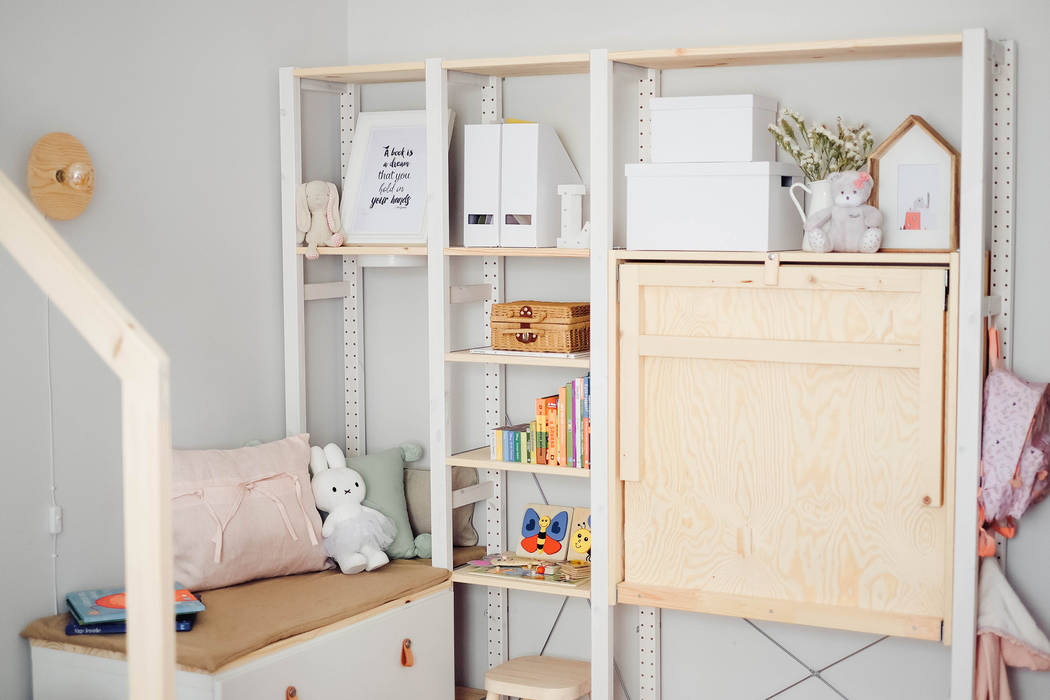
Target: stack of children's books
column 559, row 436
column 104, row 611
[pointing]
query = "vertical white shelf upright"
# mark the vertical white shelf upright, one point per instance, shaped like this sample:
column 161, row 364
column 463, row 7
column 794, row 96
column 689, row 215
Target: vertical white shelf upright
column 437, row 225
column 603, row 591
column 488, row 75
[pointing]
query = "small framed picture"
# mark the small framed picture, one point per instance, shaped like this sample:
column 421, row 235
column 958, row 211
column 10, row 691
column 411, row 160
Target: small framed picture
column 916, row 173
column 385, row 191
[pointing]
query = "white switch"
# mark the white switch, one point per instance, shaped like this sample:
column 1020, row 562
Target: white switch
column 54, row 520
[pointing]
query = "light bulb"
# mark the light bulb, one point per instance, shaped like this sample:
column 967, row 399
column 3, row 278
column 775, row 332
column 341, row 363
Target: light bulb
column 79, row 176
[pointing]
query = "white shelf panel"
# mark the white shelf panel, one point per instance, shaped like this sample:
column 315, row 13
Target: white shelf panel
column 520, row 252
column 479, row 459
column 409, row 71
column 376, row 249
column 477, row 578
column 524, row 359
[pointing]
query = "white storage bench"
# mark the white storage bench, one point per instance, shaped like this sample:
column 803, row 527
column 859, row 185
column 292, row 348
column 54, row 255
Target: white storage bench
column 326, row 634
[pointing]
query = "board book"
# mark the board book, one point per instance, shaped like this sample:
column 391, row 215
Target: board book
column 183, row 623
column 543, row 533
column 98, row 605
column 579, row 549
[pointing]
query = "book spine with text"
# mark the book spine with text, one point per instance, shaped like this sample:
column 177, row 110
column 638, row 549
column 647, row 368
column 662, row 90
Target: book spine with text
column 550, row 411
column 563, row 459
column 578, row 392
column 541, row 431
column 587, row 422
column 570, row 421
column 586, row 443
column 73, row 628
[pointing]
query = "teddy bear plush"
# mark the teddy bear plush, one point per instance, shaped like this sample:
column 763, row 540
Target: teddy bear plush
column 850, row 225
column 354, row 534
column 317, row 220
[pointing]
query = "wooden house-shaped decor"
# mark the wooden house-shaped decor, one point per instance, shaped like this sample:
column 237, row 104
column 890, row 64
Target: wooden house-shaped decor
column 916, row 173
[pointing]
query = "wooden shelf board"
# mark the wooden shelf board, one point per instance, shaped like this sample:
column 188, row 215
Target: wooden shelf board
column 532, row 360
column 405, row 72
column 929, row 46
column 582, row 590
column 518, row 66
column 788, row 256
column 376, row 249
column 844, row 617
column 521, row 252
column 922, row 46
column 479, row 459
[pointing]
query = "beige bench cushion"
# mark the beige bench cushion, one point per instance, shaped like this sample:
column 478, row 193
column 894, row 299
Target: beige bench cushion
column 245, row 618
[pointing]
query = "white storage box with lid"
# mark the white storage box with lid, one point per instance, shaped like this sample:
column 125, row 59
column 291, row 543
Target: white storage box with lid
column 712, row 129
column 712, row 206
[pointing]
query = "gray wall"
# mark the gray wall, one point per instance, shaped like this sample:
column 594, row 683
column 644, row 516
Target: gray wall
column 723, row 656
column 177, row 103
column 180, row 117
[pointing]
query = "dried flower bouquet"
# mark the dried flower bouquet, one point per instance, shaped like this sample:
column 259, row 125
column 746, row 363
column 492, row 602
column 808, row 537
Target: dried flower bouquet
column 818, row 150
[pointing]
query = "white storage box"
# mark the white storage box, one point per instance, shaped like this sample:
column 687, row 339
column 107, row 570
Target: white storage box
column 712, row 206
column 713, row 129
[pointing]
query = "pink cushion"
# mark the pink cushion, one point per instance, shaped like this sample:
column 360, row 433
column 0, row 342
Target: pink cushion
column 244, row 514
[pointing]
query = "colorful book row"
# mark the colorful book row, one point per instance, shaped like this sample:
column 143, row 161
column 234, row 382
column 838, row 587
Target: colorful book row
column 559, row 436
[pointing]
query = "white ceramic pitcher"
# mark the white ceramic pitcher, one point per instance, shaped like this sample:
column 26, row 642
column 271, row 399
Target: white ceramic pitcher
column 819, row 198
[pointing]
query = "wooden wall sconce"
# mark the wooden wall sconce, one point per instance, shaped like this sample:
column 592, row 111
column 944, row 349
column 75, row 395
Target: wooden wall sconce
column 61, row 177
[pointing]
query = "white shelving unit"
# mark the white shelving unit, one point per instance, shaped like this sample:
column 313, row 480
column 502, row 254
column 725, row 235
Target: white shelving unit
column 988, row 107
column 488, row 77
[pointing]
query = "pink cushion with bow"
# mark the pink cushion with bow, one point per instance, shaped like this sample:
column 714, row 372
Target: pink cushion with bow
column 244, row 514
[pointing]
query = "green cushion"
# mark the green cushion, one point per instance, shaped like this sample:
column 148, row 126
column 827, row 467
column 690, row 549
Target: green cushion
column 384, row 474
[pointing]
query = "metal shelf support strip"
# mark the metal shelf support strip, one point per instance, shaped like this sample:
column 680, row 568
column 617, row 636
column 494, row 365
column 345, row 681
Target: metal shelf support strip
column 495, row 507
column 353, row 301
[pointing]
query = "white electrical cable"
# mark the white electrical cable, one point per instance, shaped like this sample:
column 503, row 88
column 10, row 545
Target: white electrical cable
column 51, row 458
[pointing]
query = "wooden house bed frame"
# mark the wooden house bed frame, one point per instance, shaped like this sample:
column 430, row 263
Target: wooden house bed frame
column 988, row 68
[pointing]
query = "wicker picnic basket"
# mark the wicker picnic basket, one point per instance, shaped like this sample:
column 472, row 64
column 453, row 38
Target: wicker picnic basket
column 541, row 326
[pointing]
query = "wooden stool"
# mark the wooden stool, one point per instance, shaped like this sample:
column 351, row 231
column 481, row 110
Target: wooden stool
column 539, row 678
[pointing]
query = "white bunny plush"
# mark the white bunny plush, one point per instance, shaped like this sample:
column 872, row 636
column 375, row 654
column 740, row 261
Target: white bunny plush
column 354, row 534
column 317, row 220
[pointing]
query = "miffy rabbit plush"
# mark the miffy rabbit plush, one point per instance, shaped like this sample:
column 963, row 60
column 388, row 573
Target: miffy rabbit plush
column 317, row 220
column 354, row 534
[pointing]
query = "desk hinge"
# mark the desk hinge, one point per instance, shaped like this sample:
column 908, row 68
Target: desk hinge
column 618, row 284
column 947, row 288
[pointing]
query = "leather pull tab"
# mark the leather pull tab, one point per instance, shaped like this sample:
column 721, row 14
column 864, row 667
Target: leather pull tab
column 993, row 347
column 985, row 543
column 406, row 653
column 290, row 693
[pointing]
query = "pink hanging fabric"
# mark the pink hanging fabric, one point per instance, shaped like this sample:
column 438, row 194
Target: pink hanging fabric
column 1015, row 447
column 1006, row 635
